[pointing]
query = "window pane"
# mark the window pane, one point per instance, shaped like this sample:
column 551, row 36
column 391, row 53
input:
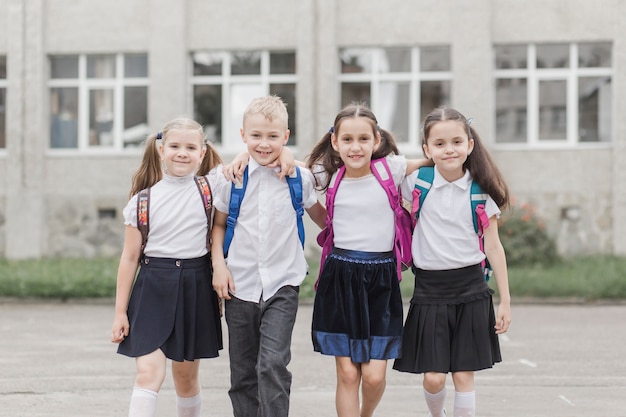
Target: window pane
column 552, row 110
column 553, row 56
column 207, row 101
column 135, row 65
column 135, row 116
column 435, row 58
column 3, row 114
column 282, row 63
column 355, row 60
column 594, row 109
column 246, row 63
column 595, row 54
column 65, row 66
column 392, row 110
column 207, row 63
column 64, row 117
column 240, row 98
column 511, row 99
column 396, row 60
column 433, row 94
column 511, row 56
column 357, row 92
column 3, row 67
column 288, row 93
column 101, row 66
column 101, row 117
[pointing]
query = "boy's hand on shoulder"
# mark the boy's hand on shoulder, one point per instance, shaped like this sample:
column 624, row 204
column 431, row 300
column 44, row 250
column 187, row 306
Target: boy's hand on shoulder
column 223, row 283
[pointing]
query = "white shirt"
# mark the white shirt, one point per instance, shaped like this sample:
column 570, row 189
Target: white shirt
column 363, row 219
column 266, row 253
column 444, row 237
column 177, row 219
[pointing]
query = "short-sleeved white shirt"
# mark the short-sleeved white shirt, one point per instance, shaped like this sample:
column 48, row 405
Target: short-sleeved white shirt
column 266, row 253
column 444, row 237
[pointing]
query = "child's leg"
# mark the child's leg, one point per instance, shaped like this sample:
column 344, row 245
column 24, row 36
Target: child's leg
column 278, row 316
column 374, row 381
column 188, row 398
column 435, row 392
column 242, row 318
column 464, row 396
column 150, row 376
column 348, row 381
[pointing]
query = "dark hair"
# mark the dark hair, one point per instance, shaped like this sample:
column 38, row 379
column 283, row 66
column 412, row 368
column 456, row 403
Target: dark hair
column 150, row 171
column 479, row 163
column 323, row 153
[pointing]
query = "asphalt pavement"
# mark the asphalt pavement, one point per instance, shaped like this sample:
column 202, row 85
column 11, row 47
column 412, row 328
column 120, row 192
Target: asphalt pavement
column 565, row 360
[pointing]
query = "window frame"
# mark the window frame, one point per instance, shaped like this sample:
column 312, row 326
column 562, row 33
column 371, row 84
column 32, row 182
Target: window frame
column 534, row 76
column 4, row 87
column 86, row 85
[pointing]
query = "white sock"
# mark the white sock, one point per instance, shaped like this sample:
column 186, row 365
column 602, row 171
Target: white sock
column 465, row 404
column 435, row 402
column 143, row 403
column 188, row 407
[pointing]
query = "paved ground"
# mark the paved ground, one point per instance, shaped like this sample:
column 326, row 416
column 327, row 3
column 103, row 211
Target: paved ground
column 559, row 360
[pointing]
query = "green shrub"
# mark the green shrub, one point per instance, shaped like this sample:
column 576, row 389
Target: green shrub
column 524, row 237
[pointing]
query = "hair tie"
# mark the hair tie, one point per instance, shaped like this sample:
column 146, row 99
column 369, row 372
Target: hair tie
column 331, row 130
column 159, row 135
column 470, row 120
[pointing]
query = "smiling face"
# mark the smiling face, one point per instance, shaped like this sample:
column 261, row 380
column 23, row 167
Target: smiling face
column 182, row 151
column 448, row 146
column 264, row 138
column 356, row 139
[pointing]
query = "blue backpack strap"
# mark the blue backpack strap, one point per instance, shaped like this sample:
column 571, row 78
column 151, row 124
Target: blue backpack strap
column 295, row 190
column 478, row 200
column 205, row 193
column 423, row 182
column 237, row 191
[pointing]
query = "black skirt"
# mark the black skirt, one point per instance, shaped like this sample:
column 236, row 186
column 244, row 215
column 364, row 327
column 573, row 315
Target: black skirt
column 358, row 307
column 173, row 307
column 450, row 323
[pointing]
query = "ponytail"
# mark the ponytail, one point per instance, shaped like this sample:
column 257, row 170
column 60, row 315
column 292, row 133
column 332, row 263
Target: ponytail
column 211, row 159
column 149, row 171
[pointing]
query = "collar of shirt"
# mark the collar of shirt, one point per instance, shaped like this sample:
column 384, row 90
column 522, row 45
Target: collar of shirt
column 253, row 165
column 462, row 183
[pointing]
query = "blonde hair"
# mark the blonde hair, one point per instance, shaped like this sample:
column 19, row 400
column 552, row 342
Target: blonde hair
column 271, row 107
column 150, row 171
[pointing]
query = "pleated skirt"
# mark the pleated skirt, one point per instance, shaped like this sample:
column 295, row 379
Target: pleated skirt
column 357, row 309
column 173, row 307
column 450, row 323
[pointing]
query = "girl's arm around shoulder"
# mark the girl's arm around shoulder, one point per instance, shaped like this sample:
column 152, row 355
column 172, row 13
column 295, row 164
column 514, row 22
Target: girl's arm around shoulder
column 316, row 211
column 415, row 164
column 125, row 277
column 497, row 259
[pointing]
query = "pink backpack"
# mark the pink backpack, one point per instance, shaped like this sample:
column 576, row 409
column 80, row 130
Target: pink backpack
column 403, row 223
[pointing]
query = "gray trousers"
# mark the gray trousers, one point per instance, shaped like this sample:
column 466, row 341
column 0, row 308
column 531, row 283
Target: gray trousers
column 259, row 337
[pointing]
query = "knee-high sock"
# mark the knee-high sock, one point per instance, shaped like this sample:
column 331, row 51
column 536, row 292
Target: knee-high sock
column 464, row 404
column 143, row 403
column 188, row 407
column 435, row 402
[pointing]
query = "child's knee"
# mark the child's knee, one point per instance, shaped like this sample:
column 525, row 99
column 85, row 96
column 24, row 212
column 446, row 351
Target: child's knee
column 434, row 382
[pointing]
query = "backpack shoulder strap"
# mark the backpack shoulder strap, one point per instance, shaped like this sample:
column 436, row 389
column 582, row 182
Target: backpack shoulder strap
column 205, row 193
column 237, row 191
column 478, row 200
column 295, row 190
column 331, row 191
column 143, row 205
column 380, row 169
column 423, row 182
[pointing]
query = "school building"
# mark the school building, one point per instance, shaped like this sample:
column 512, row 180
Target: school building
column 82, row 82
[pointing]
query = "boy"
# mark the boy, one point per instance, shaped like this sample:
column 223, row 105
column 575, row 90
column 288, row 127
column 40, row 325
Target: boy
column 265, row 266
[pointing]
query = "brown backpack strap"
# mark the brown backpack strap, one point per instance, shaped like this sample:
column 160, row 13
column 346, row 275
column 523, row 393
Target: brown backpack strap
column 143, row 205
column 205, row 193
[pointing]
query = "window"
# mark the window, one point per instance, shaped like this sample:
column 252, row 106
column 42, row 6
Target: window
column 3, row 102
column 224, row 83
column 401, row 85
column 553, row 93
column 98, row 101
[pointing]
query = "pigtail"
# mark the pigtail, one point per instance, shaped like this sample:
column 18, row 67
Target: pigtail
column 149, row 171
column 211, row 160
column 387, row 145
column 325, row 156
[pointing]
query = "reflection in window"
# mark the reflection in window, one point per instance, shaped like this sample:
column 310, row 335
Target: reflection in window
column 594, row 109
column 594, row 55
column 552, row 105
column 511, row 56
column 553, row 56
column 511, row 98
column 93, row 106
column 400, row 85
column 224, row 83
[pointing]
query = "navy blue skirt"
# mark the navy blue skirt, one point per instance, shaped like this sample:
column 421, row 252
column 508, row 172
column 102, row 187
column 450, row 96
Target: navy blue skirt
column 358, row 307
column 450, row 323
column 173, row 307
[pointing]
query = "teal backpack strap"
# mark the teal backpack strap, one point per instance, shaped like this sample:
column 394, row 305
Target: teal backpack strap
column 205, row 193
column 237, row 191
column 478, row 200
column 295, row 190
column 423, row 182
column 143, row 204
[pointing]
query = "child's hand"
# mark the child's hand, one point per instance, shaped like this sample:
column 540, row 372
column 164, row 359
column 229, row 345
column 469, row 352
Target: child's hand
column 223, row 283
column 285, row 161
column 503, row 319
column 120, row 328
column 234, row 171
